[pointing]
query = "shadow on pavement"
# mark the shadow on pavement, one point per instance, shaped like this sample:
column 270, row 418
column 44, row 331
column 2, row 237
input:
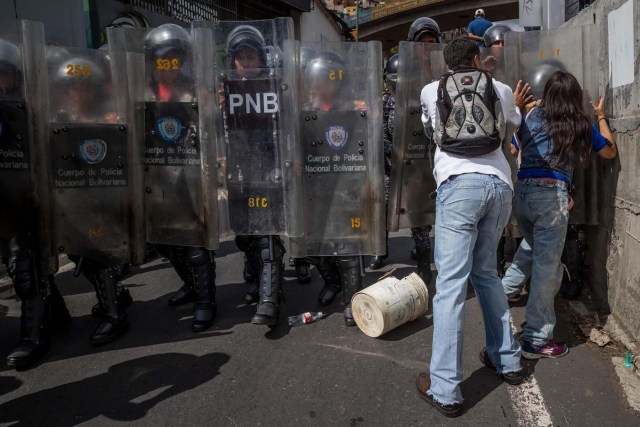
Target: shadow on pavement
column 126, row 392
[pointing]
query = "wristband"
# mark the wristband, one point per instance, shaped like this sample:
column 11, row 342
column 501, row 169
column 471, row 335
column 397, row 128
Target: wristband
column 603, row 118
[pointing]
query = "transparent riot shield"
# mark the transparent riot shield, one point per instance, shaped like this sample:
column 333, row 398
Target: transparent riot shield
column 25, row 221
column 94, row 160
column 178, row 187
column 533, row 56
column 411, row 201
column 341, row 139
column 256, row 95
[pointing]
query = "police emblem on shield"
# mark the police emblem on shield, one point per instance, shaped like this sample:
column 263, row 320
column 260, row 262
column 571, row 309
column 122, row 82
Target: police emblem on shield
column 169, row 128
column 92, row 151
column 336, row 137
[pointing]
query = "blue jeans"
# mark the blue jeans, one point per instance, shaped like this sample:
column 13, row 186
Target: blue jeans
column 471, row 213
column 541, row 210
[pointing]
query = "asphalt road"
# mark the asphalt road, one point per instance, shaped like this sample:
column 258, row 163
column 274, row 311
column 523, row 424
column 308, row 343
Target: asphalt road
column 160, row 373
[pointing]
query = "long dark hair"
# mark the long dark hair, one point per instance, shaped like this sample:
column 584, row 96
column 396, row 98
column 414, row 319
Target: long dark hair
column 567, row 121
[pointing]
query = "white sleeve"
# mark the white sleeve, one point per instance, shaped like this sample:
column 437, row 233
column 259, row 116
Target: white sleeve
column 511, row 112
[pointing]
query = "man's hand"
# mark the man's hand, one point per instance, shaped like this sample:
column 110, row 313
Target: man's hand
column 522, row 95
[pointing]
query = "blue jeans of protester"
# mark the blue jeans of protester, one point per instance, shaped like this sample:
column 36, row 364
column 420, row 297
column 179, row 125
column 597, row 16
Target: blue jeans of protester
column 541, row 211
column 471, row 213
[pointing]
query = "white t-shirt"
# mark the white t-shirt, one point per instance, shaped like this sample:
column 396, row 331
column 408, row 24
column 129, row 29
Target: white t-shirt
column 495, row 163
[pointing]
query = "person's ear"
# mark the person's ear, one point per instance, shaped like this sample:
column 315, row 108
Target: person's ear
column 476, row 61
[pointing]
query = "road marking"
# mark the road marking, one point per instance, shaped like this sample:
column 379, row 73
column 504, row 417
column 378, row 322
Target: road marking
column 528, row 403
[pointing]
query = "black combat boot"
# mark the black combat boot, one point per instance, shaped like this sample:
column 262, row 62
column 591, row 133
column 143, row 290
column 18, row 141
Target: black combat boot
column 204, row 278
column 351, row 283
column 303, row 270
column 272, row 252
column 331, row 276
column 186, row 293
column 114, row 323
column 34, row 341
column 34, row 291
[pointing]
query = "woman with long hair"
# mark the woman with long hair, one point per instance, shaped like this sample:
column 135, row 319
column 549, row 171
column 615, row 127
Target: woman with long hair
column 556, row 136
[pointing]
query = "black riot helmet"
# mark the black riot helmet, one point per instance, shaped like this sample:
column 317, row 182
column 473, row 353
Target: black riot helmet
column 168, row 38
column 424, row 25
column 10, row 64
column 539, row 75
column 246, row 37
column 391, row 71
column 495, row 33
column 327, row 67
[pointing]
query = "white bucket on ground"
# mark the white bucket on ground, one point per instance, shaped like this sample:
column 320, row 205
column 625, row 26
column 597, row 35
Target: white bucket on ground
column 389, row 303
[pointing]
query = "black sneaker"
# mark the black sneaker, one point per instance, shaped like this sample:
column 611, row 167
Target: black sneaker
column 423, row 383
column 511, row 378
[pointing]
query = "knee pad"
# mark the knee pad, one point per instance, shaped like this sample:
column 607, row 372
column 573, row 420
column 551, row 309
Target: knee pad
column 22, row 272
column 265, row 249
column 198, row 257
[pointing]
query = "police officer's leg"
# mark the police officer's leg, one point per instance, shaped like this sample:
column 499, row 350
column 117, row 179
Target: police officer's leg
column 378, row 260
column 351, row 283
column 303, row 270
column 328, row 269
column 422, row 241
column 251, row 272
column 271, row 254
column 203, row 267
column 573, row 257
column 114, row 322
column 177, row 256
column 34, row 291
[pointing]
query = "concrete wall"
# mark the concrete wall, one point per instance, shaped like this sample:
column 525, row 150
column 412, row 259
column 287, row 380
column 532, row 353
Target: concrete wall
column 614, row 245
column 317, row 25
column 63, row 20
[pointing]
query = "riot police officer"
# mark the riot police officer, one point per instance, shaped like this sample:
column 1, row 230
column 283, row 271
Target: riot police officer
column 494, row 36
column 423, row 30
column 85, row 98
column 324, row 77
column 22, row 245
column 170, row 107
column 253, row 175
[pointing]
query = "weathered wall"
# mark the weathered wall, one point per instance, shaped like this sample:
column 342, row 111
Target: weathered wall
column 316, row 26
column 614, row 245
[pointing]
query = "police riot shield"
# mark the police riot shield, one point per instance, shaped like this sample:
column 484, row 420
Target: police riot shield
column 94, row 160
column 411, row 201
column 533, row 57
column 492, row 60
column 178, row 187
column 340, row 118
column 25, row 222
column 255, row 92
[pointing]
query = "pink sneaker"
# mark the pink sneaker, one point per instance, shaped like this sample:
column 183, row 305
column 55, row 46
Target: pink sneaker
column 550, row 350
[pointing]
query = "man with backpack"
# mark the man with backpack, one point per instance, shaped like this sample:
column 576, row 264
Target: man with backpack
column 469, row 115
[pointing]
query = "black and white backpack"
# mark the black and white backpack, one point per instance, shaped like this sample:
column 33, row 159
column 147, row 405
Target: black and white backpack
column 469, row 118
